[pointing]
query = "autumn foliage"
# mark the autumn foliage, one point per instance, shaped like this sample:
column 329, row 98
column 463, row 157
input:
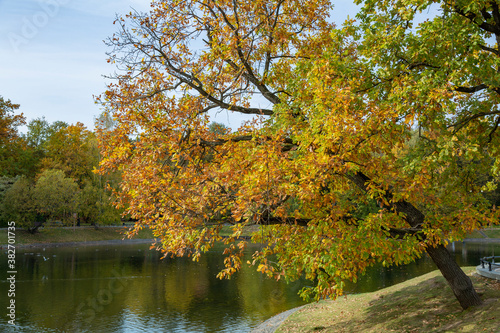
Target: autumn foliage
column 375, row 142
column 47, row 173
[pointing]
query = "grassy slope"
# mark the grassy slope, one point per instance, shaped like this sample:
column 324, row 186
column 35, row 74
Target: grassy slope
column 490, row 233
column 423, row 304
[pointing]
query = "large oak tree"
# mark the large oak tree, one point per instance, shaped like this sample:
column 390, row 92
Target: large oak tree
column 371, row 143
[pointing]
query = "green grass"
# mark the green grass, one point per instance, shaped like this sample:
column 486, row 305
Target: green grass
column 489, row 232
column 86, row 234
column 67, row 235
column 424, row 304
column 247, row 230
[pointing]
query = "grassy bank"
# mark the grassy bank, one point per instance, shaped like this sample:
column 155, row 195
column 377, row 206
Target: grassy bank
column 87, row 234
column 68, row 235
column 424, row 304
column 486, row 233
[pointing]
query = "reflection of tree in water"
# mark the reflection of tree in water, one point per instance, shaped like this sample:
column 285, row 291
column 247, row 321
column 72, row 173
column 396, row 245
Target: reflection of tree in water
column 135, row 262
column 185, row 281
column 277, row 295
column 254, row 287
column 164, row 292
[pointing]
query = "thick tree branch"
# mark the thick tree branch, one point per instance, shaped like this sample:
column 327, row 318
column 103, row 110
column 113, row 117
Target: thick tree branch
column 401, row 233
column 495, row 127
column 460, row 124
column 471, row 89
column 493, row 28
column 489, row 49
column 220, row 142
column 413, row 216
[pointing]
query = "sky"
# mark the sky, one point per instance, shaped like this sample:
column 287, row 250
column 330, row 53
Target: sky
column 53, row 57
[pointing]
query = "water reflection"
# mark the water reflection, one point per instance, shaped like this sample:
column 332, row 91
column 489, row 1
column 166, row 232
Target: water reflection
column 378, row 277
column 128, row 288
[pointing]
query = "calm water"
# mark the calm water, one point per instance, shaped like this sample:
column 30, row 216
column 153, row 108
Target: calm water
column 128, row 288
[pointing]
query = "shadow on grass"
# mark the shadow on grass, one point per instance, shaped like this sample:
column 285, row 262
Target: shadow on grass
column 422, row 307
column 427, row 306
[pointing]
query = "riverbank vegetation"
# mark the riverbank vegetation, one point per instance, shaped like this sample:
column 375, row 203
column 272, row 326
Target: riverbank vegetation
column 421, row 305
column 89, row 233
column 485, row 233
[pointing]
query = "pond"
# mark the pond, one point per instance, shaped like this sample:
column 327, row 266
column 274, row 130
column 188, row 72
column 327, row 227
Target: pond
column 129, row 288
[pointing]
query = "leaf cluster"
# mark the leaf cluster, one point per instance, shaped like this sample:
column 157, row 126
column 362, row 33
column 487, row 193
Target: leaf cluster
column 380, row 139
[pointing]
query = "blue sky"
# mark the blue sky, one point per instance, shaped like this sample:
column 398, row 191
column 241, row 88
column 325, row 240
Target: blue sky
column 53, row 57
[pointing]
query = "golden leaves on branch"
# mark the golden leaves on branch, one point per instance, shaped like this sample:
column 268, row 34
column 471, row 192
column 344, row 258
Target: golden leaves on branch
column 343, row 143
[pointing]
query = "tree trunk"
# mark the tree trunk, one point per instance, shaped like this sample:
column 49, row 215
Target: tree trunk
column 460, row 283
column 34, row 229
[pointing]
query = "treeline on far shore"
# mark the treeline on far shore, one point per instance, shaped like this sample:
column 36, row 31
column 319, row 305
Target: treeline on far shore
column 48, row 173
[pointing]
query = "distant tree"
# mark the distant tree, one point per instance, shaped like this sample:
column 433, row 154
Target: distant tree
column 55, row 195
column 218, row 128
column 15, row 157
column 5, row 184
column 105, row 121
column 18, row 205
column 72, row 149
column 88, row 203
column 94, row 205
column 40, row 130
column 9, row 121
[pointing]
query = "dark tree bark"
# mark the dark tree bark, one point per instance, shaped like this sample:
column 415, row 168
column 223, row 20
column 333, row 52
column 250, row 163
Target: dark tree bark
column 33, row 230
column 460, row 283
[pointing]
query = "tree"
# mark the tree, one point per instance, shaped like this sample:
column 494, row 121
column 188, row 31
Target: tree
column 443, row 77
column 8, row 121
column 18, row 205
column 39, row 131
column 328, row 170
column 15, row 157
column 72, row 149
column 218, row 128
column 55, row 195
column 94, row 205
column 5, row 184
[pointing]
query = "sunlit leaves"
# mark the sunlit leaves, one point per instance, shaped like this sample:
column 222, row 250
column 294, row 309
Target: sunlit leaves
column 360, row 121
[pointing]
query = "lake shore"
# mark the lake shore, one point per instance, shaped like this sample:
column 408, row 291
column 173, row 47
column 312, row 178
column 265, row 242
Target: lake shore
column 423, row 304
column 84, row 243
column 271, row 325
column 107, row 235
column 80, row 236
column 66, row 236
